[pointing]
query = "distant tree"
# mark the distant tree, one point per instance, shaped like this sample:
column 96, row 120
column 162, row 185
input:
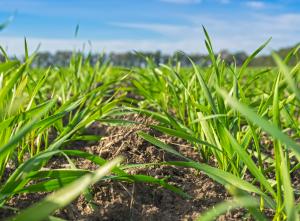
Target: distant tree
column 2, row 58
column 62, row 58
column 43, row 59
column 240, row 57
column 157, row 57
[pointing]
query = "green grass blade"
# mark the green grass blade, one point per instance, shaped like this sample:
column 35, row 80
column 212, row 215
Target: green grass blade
column 24, row 130
column 3, row 25
column 183, row 135
column 66, row 195
column 205, row 88
column 263, row 123
column 93, row 158
column 288, row 77
column 224, row 178
column 160, row 144
column 246, row 158
column 226, row 206
column 250, row 58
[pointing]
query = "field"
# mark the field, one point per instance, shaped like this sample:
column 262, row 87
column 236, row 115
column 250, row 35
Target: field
column 162, row 142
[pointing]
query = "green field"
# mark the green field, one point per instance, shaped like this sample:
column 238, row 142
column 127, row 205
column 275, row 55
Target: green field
column 239, row 126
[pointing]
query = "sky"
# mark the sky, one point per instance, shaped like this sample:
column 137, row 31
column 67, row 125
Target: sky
column 148, row 25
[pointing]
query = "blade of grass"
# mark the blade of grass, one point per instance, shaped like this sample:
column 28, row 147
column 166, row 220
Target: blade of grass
column 250, row 58
column 160, row 144
column 66, row 195
column 224, row 178
column 261, row 122
column 285, row 71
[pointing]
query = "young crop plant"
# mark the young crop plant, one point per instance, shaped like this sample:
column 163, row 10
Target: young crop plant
column 43, row 113
column 243, row 122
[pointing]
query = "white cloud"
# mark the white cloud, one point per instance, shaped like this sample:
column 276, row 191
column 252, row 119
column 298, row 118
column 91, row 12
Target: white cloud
column 256, row 4
column 182, row 1
column 15, row 45
column 233, row 34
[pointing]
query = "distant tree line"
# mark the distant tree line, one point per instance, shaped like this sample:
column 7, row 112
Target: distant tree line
column 138, row 59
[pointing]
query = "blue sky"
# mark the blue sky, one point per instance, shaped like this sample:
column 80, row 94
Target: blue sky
column 148, row 25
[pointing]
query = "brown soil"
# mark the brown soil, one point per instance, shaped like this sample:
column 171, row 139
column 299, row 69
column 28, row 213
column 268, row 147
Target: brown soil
column 113, row 200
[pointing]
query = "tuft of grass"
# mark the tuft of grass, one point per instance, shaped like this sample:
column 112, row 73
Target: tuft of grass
column 44, row 110
column 224, row 112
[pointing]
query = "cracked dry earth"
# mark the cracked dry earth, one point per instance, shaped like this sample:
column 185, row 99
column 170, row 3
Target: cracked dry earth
column 112, row 200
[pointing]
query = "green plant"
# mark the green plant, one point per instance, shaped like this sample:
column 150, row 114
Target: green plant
column 222, row 111
column 43, row 111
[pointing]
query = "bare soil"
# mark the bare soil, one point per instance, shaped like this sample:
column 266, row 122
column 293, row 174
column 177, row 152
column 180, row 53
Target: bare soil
column 111, row 200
